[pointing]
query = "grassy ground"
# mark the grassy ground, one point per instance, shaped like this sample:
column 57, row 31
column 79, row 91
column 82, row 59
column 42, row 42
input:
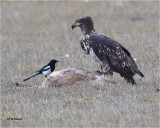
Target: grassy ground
column 32, row 33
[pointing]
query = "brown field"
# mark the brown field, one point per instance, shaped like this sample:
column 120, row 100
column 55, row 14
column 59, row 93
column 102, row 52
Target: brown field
column 32, row 33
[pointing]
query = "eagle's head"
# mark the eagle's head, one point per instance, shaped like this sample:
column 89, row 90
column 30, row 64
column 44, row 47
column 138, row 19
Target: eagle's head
column 85, row 23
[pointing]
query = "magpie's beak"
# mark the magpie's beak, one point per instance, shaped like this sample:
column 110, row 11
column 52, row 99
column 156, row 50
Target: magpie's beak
column 76, row 24
column 57, row 61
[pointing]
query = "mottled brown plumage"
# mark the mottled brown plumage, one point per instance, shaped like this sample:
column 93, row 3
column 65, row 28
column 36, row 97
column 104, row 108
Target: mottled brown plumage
column 111, row 55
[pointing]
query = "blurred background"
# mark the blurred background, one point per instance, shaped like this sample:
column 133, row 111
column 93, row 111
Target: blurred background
column 33, row 33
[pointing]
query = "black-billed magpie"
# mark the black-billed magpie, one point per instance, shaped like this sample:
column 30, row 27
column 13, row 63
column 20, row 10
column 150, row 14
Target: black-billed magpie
column 46, row 70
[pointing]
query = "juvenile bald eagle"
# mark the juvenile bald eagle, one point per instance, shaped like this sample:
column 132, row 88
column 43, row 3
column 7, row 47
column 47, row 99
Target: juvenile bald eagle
column 111, row 55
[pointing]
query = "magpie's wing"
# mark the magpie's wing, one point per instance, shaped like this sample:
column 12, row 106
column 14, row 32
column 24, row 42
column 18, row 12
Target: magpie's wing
column 45, row 68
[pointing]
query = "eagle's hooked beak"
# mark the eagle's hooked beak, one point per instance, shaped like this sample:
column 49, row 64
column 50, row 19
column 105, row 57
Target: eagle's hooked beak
column 76, row 24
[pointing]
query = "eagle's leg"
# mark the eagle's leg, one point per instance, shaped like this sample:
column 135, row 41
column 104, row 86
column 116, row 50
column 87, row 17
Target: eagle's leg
column 101, row 72
column 106, row 70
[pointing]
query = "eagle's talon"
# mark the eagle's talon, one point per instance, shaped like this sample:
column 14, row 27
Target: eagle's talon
column 100, row 71
column 102, row 75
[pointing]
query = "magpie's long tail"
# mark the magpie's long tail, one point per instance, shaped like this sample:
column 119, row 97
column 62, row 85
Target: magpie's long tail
column 31, row 76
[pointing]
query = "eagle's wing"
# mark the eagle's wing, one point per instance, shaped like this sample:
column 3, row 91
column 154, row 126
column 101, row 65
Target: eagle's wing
column 111, row 52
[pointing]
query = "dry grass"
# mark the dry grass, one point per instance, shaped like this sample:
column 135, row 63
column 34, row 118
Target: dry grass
column 35, row 32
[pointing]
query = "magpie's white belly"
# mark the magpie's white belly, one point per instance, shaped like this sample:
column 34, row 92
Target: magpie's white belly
column 46, row 72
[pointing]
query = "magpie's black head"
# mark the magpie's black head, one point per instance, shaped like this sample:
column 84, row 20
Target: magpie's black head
column 85, row 23
column 53, row 62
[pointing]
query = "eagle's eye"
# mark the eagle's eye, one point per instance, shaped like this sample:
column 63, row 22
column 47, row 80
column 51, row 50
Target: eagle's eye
column 77, row 24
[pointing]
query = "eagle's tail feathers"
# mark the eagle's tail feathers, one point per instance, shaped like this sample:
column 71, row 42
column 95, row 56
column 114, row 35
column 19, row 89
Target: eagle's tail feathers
column 130, row 80
column 134, row 66
column 140, row 73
